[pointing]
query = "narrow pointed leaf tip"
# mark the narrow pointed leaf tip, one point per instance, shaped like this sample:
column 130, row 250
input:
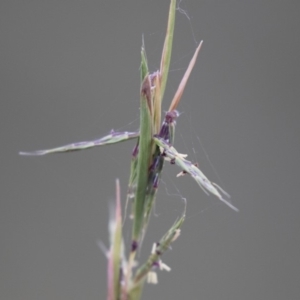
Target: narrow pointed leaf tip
column 184, row 80
column 167, row 48
column 112, row 138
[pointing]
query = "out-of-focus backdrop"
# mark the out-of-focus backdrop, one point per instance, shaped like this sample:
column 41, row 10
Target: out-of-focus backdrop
column 70, row 72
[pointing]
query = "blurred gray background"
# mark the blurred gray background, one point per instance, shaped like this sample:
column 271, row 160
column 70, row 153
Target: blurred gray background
column 70, row 72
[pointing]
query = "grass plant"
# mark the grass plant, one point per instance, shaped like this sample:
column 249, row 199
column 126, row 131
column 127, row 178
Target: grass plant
column 154, row 146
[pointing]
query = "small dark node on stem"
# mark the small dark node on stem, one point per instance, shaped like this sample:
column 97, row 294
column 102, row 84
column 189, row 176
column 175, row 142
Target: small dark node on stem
column 135, row 151
column 158, row 252
column 171, row 116
column 134, row 246
column 172, row 161
column 155, row 264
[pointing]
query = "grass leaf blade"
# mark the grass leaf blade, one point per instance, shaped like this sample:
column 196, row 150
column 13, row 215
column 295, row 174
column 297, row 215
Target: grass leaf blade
column 167, row 49
column 144, row 157
column 112, row 138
